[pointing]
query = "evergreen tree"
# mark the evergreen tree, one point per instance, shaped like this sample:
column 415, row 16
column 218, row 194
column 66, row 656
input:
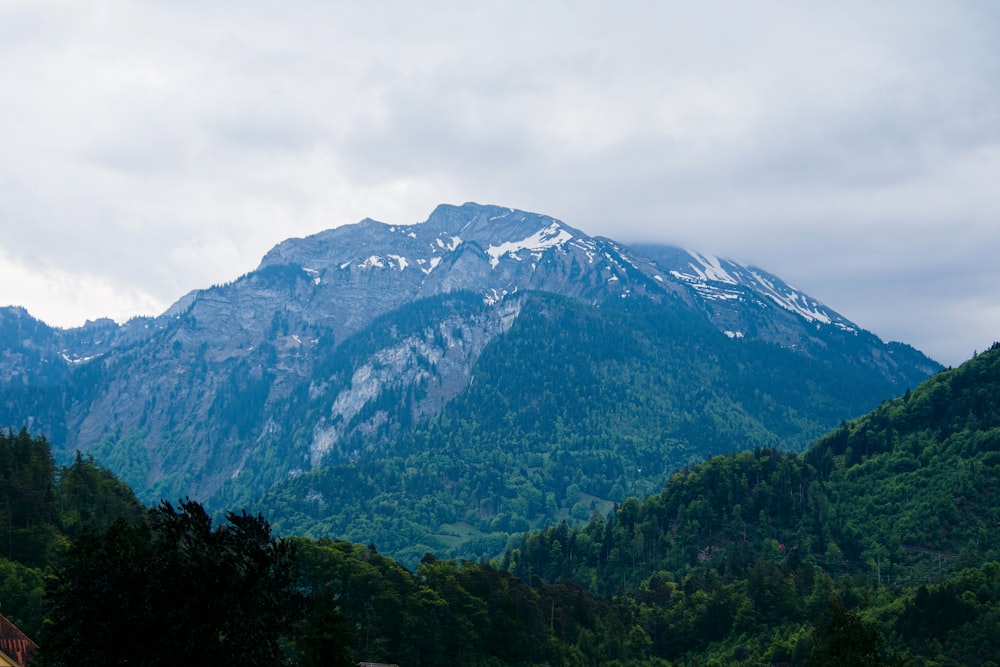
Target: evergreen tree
column 173, row 590
column 844, row 640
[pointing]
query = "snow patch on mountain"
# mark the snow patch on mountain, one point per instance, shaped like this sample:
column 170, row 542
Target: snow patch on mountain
column 447, row 244
column 397, row 262
column 797, row 302
column 711, row 269
column 75, row 360
column 715, row 279
column 431, row 264
column 551, row 236
column 708, row 269
column 401, row 261
column 494, row 296
column 589, row 248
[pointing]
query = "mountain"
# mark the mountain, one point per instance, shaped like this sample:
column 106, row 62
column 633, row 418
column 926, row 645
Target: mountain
column 875, row 546
column 907, row 490
column 455, row 380
column 889, row 519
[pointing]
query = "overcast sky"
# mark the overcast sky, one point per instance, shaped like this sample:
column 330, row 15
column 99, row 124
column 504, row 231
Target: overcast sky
column 850, row 147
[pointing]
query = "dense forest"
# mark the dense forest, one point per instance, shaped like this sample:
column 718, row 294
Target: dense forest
column 42, row 510
column 877, row 545
column 574, row 409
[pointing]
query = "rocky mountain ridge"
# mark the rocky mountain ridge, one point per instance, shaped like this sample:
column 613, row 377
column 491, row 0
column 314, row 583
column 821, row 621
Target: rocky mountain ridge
column 340, row 341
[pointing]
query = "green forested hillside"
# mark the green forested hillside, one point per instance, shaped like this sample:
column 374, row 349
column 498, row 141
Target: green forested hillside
column 876, row 546
column 897, row 511
column 574, row 409
column 42, row 508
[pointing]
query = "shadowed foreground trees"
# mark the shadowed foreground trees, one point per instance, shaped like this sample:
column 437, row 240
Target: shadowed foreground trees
column 173, row 590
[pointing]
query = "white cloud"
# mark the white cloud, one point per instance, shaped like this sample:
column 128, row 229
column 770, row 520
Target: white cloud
column 153, row 148
column 69, row 299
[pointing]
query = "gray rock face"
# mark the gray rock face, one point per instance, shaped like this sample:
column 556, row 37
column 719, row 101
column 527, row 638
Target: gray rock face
column 437, row 359
column 339, row 340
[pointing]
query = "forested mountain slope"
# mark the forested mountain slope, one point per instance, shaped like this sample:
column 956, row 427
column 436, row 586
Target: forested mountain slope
column 900, row 504
column 755, row 558
column 371, row 356
column 573, row 409
column 910, row 485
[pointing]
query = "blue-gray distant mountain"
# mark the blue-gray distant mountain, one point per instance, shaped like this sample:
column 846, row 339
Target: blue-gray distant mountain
column 446, row 383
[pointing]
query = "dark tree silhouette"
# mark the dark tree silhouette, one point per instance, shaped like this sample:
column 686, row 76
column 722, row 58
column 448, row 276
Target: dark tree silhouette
column 173, row 590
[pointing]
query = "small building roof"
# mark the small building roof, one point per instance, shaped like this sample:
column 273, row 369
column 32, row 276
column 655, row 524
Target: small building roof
column 16, row 648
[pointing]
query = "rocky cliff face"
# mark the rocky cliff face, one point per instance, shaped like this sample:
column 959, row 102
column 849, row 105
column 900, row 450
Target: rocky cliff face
column 340, row 340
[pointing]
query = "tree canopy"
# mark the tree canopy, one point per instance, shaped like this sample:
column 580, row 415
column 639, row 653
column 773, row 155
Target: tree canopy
column 173, row 589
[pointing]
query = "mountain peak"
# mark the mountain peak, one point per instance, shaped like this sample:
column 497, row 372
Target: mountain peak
column 489, row 224
column 494, row 250
column 344, row 341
